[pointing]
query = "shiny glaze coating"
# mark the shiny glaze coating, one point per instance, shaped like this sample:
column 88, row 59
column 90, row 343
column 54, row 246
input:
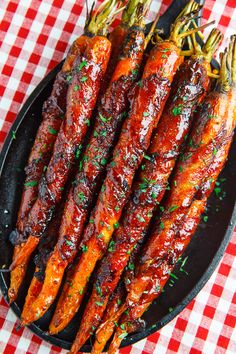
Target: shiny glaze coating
column 190, row 87
column 127, row 155
column 53, row 113
column 111, row 112
column 217, row 105
column 81, row 98
column 109, row 116
column 44, row 250
column 116, row 37
column 206, row 139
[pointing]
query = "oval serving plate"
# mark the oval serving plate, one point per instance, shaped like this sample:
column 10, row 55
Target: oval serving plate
column 204, row 252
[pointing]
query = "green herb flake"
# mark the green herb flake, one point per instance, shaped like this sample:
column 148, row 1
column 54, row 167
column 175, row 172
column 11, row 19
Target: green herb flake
column 83, row 79
column 81, row 196
column 173, row 208
column 103, row 119
column 116, row 225
column 146, row 114
column 215, row 151
column 13, row 135
column 82, row 64
column 123, row 335
column 205, row 218
column 76, row 88
column 31, row 184
column 69, row 243
column 111, row 247
column 98, row 303
column 52, row 131
column 177, row 110
column 162, row 226
column 103, row 161
column 131, row 266
column 84, row 248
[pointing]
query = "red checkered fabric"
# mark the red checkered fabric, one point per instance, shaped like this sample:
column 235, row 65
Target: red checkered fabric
column 34, row 37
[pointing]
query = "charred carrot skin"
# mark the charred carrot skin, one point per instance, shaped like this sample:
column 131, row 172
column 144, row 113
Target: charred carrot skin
column 161, row 274
column 110, row 114
column 130, row 320
column 190, row 88
column 220, row 103
column 128, row 153
column 203, row 144
column 53, row 113
column 81, row 99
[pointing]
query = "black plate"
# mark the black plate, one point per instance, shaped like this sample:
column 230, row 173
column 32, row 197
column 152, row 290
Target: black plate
column 204, row 252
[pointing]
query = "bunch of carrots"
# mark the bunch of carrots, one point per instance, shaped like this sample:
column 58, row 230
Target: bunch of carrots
column 122, row 125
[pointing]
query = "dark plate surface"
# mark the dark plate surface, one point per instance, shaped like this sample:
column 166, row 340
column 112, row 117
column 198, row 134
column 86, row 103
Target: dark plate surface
column 204, row 252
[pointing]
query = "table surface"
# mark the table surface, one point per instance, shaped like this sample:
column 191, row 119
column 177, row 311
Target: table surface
column 34, row 37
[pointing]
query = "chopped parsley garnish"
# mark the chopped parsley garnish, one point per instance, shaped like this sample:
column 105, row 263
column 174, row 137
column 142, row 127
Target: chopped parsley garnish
column 84, row 248
column 31, row 184
column 103, row 119
column 131, row 266
column 177, row 110
column 145, row 114
column 162, row 226
column 103, row 161
column 76, row 87
column 13, row 135
column 83, row 79
column 69, row 243
column 98, row 303
column 111, row 247
column 52, row 131
column 123, row 335
column 81, row 196
column 82, row 64
column 173, row 208
column 116, row 225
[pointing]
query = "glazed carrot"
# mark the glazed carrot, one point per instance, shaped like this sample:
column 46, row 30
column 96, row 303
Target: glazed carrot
column 110, row 114
column 45, row 248
column 53, row 114
column 109, row 117
column 117, row 37
column 189, row 90
column 134, row 140
column 81, row 99
column 216, row 123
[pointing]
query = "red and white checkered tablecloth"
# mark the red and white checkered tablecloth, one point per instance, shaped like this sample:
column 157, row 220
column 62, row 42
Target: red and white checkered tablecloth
column 34, row 37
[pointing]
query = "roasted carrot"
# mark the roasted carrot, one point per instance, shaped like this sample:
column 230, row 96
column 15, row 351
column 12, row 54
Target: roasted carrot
column 134, row 140
column 109, row 117
column 52, row 115
column 113, row 106
column 81, row 99
column 189, row 90
column 214, row 129
column 117, row 37
column 44, row 250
